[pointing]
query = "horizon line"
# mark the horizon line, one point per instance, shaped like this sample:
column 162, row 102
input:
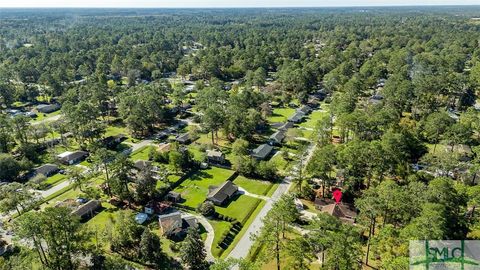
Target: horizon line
column 236, row 7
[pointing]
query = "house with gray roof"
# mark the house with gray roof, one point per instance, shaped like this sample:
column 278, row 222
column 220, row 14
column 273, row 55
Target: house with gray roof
column 215, row 157
column 277, row 138
column 48, row 108
column 297, row 117
column 46, row 170
column 88, row 209
column 70, row 158
column 219, row 195
column 262, row 152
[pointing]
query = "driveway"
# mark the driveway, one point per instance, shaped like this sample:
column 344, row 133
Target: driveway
column 210, row 235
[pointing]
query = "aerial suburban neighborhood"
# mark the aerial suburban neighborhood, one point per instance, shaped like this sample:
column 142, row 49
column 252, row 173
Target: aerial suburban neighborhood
column 257, row 138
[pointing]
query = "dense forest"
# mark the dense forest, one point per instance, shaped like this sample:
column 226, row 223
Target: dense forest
column 399, row 132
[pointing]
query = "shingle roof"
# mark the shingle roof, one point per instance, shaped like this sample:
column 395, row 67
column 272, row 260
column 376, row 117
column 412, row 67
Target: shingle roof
column 286, row 126
column 142, row 164
column 46, row 169
column 296, row 117
column 224, row 191
column 87, row 208
column 69, row 156
column 278, row 136
column 341, row 211
column 262, row 151
column 214, row 153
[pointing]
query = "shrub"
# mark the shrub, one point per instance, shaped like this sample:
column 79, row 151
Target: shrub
column 207, row 209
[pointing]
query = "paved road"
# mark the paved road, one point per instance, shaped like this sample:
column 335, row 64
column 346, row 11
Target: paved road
column 136, row 146
column 243, row 246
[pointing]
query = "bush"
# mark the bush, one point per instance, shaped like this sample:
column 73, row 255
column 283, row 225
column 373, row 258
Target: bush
column 207, row 209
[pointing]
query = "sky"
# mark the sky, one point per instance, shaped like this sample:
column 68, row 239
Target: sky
column 226, row 3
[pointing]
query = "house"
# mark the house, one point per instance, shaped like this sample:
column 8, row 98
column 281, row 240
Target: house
column 342, row 211
column 87, row 210
column 140, row 218
column 184, row 138
column 190, row 221
column 286, row 126
column 111, row 142
column 219, row 195
column 277, row 138
column 215, row 156
column 142, row 164
column 173, row 196
column 262, row 152
column 164, row 147
column 48, row 108
column 169, row 223
column 297, row 117
column 47, row 170
column 305, row 109
column 70, row 158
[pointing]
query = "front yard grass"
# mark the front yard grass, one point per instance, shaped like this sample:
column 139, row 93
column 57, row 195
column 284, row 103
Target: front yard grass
column 194, row 190
column 142, row 153
column 240, row 208
column 253, row 186
column 280, row 115
column 54, row 179
column 219, row 227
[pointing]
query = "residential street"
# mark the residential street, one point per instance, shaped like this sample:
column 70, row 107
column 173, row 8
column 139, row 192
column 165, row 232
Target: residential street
column 243, row 246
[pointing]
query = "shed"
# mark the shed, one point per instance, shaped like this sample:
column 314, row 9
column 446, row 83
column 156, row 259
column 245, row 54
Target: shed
column 173, row 196
column 140, row 218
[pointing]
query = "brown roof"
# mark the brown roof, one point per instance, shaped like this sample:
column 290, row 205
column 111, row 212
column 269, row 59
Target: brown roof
column 164, row 147
column 341, row 211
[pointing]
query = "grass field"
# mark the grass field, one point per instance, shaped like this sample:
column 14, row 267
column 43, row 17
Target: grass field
column 142, row 153
column 54, row 179
column 219, row 228
column 253, row 186
column 313, row 118
column 280, row 115
column 195, row 189
column 239, row 208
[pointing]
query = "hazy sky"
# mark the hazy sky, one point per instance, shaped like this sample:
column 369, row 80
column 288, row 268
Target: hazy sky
column 224, row 3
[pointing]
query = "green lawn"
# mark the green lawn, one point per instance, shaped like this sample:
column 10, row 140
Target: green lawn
column 240, row 208
column 54, row 179
column 253, row 186
column 280, row 115
column 313, row 118
column 42, row 116
column 116, row 130
column 219, row 227
column 244, row 229
column 142, row 153
column 195, row 189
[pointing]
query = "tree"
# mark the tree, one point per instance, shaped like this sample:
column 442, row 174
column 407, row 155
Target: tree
column 229, row 263
column 436, row 124
column 15, row 197
column 10, row 168
column 6, row 139
column 300, row 251
column 57, row 235
column 121, row 177
column 207, row 209
column 150, row 248
column 240, row 147
column 103, row 158
column 145, row 184
column 77, row 177
column 193, row 251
